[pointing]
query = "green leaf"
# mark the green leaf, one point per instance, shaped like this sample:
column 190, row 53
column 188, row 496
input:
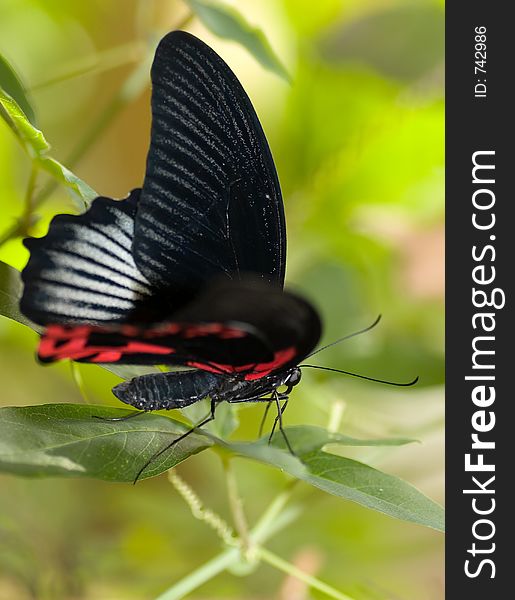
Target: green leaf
column 36, row 146
column 11, row 288
column 80, row 191
column 308, row 438
column 373, row 489
column 12, row 84
column 227, row 23
column 66, row 440
column 342, row 476
column 32, row 138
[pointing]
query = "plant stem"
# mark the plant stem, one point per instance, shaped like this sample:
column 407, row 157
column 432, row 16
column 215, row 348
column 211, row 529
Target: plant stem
column 204, row 573
column 131, row 88
column 277, row 562
column 26, row 220
column 8, row 121
column 200, row 512
column 232, row 556
column 260, row 530
column 186, row 20
column 236, row 506
column 267, row 527
column 97, row 63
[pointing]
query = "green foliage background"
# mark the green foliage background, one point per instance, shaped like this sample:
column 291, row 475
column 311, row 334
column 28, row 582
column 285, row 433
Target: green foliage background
column 356, row 130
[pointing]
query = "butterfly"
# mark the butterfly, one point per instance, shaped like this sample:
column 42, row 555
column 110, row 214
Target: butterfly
column 188, row 270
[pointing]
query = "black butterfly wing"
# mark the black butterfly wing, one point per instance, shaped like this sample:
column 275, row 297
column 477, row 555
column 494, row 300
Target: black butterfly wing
column 83, row 270
column 232, row 327
column 284, row 324
column 211, row 202
column 210, row 207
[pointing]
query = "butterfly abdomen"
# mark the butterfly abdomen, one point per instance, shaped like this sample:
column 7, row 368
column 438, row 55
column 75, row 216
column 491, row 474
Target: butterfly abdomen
column 165, row 391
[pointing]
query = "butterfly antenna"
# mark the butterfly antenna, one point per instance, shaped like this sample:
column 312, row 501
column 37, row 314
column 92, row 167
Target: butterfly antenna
column 363, row 376
column 347, row 337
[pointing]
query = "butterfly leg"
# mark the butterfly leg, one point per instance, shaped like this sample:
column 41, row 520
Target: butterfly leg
column 265, row 414
column 279, row 421
column 209, row 418
column 269, row 404
column 280, row 411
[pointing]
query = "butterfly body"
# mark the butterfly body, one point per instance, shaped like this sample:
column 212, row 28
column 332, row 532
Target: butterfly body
column 177, row 389
column 188, row 270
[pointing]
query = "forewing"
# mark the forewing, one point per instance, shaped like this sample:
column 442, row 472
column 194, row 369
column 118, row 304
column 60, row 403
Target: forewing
column 83, row 271
column 211, row 203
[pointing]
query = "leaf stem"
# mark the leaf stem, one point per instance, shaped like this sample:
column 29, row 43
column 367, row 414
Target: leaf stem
column 8, row 121
column 283, row 565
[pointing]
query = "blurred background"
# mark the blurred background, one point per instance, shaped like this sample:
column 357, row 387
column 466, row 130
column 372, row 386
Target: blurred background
column 357, row 136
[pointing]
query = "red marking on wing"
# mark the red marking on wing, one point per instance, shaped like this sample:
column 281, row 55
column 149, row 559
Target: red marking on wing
column 202, row 330
column 107, row 356
column 185, row 330
column 230, row 334
column 217, row 329
column 255, row 371
column 60, row 342
column 159, row 330
column 76, row 346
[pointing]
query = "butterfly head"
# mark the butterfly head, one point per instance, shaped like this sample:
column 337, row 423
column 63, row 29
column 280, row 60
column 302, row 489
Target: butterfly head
column 288, row 379
column 292, row 377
